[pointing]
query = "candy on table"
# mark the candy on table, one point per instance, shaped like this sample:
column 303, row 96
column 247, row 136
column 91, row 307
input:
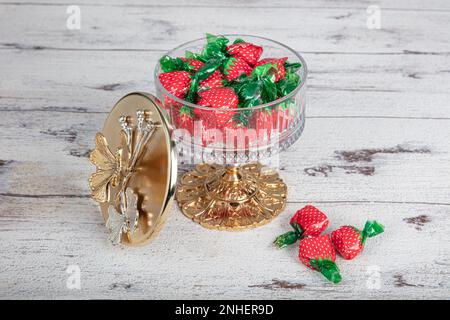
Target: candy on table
column 317, row 253
column 308, row 221
column 349, row 241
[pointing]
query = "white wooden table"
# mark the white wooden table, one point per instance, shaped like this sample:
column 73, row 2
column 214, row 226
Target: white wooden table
column 376, row 145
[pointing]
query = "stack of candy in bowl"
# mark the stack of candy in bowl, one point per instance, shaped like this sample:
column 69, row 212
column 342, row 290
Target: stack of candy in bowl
column 220, row 86
column 318, row 251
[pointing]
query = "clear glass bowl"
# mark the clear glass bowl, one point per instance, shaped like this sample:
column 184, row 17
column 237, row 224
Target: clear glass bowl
column 267, row 129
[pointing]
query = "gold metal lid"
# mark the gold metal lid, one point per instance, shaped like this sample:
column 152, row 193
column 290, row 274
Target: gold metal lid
column 136, row 171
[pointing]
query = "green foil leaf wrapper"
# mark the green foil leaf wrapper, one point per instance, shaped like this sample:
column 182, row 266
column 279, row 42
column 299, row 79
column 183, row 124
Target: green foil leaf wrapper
column 173, row 64
column 371, row 229
column 186, row 110
column 287, row 84
column 216, row 47
column 286, row 239
column 258, row 88
column 289, row 237
column 292, row 67
column 202, row 73
column 328, row 268
column 191, row 55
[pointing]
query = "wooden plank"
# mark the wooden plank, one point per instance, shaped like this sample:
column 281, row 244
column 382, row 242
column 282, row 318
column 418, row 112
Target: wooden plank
column 45, row 236
column 285, row 4
column 382, row 159
column 157, row 28
column 339, row 85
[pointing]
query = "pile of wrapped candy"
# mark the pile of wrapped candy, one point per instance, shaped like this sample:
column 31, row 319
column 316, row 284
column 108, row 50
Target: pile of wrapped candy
column 318, row 251
column 228, row 76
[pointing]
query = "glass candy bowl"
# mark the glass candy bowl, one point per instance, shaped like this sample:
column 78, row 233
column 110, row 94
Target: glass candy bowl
column 229, row 189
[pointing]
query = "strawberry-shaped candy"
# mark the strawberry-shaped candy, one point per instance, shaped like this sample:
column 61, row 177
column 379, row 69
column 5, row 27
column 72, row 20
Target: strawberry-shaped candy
column 235, row 135
column 203, row 131
column 193, row 63
column 238, row 133
column 282, row 116
column 217, row 98
column 183, row 119
column 207, row 131
column 317, row 253
column 308, row 221
column 277, row 63
column 349, row 241
column 208, row 69
column 249, row 52
column 263, row 119
column 177, row 83
column 213, row 81
column 234, row 67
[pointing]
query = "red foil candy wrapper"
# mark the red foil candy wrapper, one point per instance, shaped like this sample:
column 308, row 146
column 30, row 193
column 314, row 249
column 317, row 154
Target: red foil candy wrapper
column 215, row 80
column 308, row 221
column 183, row 118
column 317, row 253
column 194, row 63
column 249, row 52
column 349, row 241
column 177, row 83
column 236, row 66
column 278, row 64
column 217, row 98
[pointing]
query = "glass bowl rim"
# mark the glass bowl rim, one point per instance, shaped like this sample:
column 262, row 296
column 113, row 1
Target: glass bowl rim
column 260, row 106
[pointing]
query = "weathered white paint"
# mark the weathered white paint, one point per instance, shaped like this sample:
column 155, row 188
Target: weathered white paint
column 369, row 89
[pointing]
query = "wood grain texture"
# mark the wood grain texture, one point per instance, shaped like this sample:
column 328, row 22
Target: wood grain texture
column 375, row 146
column 148, row 28
column 340, row 85
column 187, row 261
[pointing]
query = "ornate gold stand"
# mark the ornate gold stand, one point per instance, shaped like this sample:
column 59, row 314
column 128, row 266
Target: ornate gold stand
column 231, row 198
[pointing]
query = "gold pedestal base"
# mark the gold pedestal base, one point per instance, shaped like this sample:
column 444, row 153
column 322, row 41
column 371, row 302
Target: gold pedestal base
column 231, row 198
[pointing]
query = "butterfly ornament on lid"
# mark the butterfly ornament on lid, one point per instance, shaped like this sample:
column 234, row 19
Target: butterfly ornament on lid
column 114, row 170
